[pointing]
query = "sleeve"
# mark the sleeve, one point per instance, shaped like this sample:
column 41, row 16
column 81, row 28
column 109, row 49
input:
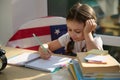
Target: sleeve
column 64, row 39
column 99, row 42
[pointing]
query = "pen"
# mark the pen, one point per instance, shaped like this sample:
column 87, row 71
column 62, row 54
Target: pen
column 40, row 43
column 96, row 62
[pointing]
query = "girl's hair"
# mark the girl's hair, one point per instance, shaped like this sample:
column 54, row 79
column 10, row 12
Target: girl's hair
column 80, row 13
column 70, row 47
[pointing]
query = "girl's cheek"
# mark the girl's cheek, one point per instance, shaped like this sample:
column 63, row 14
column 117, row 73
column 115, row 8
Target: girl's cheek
column 80, row 36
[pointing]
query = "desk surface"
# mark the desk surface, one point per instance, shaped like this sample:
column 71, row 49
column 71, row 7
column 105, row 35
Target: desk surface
column 22, row 73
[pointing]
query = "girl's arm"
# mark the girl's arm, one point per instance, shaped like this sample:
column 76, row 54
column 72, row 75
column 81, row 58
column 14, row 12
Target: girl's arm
column 89, row 27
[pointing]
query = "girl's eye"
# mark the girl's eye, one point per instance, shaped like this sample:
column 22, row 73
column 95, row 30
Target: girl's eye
column 78, row 32
column 69, row 29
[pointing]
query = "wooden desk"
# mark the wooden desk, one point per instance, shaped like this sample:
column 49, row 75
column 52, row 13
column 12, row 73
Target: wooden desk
column 22, row 73
column 108, row 25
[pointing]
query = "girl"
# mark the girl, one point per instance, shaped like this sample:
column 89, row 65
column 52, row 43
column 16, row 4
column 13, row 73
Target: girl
column 81, row 23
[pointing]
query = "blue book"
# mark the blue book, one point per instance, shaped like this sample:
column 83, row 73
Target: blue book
column 77, row 69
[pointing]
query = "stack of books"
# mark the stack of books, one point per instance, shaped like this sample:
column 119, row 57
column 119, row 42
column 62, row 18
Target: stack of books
column 92, row 65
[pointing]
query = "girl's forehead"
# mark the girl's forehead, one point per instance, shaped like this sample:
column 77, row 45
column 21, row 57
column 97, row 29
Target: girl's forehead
column 75, row 25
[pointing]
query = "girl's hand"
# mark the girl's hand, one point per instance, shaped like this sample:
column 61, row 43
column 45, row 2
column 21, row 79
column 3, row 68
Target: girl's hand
column 90, row 26
column 45, row 54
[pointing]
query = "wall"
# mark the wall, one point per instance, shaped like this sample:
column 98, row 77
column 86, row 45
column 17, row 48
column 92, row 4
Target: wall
column 14, row 13
column 25, row 10
column 5, row 20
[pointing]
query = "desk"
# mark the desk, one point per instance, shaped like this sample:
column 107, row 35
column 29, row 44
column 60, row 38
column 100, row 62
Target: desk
column 22, row 73
column 108, row 25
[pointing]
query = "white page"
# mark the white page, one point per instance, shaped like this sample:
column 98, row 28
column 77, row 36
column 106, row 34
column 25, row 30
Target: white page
column 94, row 57
column 49, row 65
column 21, row 59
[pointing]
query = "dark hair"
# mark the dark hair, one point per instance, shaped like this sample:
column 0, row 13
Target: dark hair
column 70, row 47
column 80, row 13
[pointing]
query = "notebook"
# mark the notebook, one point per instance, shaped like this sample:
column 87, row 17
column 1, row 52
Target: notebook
column 96, row 59
column 22, row 59
column 33, row 60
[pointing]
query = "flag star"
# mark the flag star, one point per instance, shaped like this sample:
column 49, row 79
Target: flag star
column 57, row 31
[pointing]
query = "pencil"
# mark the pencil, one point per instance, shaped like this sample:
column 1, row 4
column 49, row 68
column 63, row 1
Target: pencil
column 40, row 43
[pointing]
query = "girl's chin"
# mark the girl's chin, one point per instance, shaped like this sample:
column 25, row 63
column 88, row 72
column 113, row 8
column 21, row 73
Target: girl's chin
column 78, row 39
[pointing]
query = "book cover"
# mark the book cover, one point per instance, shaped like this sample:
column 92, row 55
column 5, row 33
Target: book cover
column 111, row 66
column 77, row 69
column 72, row 71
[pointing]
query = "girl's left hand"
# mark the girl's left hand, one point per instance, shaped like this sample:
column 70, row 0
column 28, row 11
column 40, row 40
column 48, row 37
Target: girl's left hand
column 90, row 26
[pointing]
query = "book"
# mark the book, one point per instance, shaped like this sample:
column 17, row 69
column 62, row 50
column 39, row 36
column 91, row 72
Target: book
column 74, row 69
column 105, row 75
column 97, row 52
column 77, row 74
column 33, row 61
column 111, row 65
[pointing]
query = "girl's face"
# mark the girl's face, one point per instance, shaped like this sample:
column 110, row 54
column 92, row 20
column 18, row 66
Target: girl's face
column 75, row 30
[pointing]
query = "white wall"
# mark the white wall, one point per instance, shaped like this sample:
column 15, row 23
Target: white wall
column 14, row 13
column 5, row 20
column 25, row 10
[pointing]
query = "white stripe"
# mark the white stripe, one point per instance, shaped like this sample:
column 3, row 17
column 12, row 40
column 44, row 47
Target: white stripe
column 44, row 22
column 28, row 42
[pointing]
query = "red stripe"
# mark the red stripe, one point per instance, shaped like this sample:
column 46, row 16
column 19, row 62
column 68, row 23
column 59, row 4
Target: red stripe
column 31, row 48
column 25, row 33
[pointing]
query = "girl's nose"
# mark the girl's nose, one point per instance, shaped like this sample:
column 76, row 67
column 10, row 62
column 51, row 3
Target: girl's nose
column 73, row 34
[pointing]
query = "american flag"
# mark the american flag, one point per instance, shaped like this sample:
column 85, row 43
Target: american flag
column 47, row 29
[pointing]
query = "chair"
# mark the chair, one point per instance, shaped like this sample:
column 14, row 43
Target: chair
column 46, row 28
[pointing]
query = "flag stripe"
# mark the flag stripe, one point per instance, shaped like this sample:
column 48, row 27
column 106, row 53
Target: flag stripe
column 33, row 48
column 25, row 33
column 28, row 42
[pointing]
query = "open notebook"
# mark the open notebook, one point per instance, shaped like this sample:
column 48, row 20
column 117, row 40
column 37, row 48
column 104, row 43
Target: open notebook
column 33, row 60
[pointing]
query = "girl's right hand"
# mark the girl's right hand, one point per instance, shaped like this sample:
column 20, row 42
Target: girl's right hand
column 44, row 54
column 90, row 26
